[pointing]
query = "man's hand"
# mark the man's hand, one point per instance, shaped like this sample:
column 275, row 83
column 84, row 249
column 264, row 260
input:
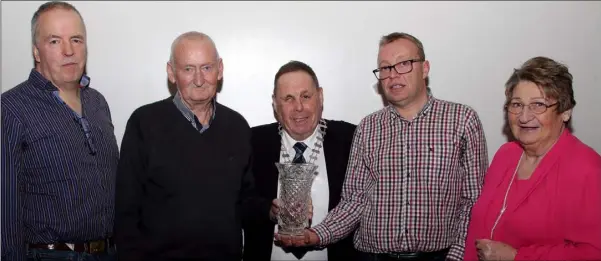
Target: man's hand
column 275, row 210
column 308, row 238
column 489, row 250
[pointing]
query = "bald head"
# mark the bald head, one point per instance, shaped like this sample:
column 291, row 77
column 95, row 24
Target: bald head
column 195, row 68
column 191, row 36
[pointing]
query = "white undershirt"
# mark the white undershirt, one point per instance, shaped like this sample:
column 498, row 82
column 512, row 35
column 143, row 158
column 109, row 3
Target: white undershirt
column 319, row 194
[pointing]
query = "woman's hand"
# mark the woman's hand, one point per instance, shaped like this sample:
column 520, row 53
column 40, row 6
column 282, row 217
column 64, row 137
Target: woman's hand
column 489, row 250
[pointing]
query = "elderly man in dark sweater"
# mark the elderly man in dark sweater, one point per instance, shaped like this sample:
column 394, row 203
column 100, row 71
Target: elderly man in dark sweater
column 184, row 182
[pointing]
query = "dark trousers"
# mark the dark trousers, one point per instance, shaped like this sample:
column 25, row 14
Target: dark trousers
column 55, row 255
column 423, row 256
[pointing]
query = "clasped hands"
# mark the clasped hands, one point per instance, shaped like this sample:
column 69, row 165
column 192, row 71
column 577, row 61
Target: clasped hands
column 489, row 250
column 309, row 237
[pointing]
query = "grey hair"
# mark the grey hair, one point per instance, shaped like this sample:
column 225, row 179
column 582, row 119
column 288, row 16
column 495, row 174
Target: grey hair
column 48, row 6
column 189, row 36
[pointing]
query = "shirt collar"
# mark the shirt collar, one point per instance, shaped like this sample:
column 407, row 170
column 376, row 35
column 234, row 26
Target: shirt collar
column 39, row 81
column 309, row 141
column 427, row 107
column 183, row 108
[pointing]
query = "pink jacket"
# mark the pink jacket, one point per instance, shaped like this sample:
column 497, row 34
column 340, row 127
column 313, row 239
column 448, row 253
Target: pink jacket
column 554, row 215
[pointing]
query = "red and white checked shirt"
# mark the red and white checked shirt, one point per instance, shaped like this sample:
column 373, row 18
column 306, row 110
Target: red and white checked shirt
column 410, row 185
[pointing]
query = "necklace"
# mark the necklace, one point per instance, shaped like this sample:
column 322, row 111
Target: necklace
column 504, row 206
column 318, row 145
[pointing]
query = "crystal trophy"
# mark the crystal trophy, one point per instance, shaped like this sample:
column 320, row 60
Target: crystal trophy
column 295, row 180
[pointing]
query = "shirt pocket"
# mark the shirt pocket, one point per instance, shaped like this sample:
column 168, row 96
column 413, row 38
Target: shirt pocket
column 439, row 163
column 40, row 147
column 38, row 133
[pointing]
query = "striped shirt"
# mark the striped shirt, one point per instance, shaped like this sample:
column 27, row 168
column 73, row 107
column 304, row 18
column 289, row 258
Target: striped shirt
column 57, row 178
column 410, row 185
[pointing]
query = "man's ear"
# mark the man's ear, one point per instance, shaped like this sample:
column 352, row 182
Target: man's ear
column 36, row 54
column 320, row 93
column 171, row 72
column 220, row 69
column 426, row 69
column 274, row 106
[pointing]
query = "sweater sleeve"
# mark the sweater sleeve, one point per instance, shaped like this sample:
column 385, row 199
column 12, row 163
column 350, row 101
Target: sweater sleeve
column 254, row 208
column 129, row 192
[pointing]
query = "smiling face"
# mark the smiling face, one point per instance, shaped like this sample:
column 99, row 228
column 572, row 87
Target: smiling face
column 403, row 89
column 60, row 49
column 298, row 104
column 531, row 129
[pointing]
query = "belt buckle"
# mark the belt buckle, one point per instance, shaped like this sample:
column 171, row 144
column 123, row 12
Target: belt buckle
column 403, row 255
column 97, row 246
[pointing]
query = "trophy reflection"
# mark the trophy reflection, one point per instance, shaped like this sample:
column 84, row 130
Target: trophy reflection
column 295, row 180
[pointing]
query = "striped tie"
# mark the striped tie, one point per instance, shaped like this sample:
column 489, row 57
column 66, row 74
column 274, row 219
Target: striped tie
column 300, row 148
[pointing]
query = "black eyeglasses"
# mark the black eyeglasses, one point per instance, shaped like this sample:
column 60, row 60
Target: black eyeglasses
column 536, row 107
column 400, row 68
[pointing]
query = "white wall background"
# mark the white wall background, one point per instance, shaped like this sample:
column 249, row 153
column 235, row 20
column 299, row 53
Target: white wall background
column 472, row 46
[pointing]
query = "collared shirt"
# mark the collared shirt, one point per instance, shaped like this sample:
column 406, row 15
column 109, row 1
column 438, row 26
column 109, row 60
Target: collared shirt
column 58, row 179
column 320, row 194
column 189, row 114
column 410, row 185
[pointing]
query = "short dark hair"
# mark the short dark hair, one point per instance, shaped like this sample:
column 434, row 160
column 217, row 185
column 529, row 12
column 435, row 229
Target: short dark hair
column 553, row 77
column 49, row 6
column 294, row 66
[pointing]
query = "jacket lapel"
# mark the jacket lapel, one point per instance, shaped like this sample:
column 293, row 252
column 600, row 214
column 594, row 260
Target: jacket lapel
column 332, row 158
column 328, row 156
column 274, row 143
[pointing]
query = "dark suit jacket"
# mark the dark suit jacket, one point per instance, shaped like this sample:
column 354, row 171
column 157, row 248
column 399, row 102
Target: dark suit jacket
column 266, row 143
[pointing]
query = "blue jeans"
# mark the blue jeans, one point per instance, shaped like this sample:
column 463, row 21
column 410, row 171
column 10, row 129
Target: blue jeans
column 55, row 255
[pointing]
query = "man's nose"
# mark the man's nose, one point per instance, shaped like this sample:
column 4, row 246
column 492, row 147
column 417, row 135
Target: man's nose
column 199, row 78
column 67, row 49
column 299, row 105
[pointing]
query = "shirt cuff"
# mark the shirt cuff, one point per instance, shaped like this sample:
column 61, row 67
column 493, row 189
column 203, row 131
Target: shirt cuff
column 323, row 233
column 455, row 253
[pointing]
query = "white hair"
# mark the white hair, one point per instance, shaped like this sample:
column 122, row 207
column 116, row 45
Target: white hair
column 192, row 35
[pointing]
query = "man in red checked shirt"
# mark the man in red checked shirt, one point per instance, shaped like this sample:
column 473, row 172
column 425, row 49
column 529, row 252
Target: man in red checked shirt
column 415, row 170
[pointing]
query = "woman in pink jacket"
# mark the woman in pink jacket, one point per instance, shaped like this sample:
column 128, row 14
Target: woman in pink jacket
column 541, row 198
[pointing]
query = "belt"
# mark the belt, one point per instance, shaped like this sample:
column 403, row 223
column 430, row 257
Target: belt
column 91, row 247
column 414, row 255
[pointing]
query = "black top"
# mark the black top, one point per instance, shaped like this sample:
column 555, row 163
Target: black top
column 181, row 194
column 266, row 141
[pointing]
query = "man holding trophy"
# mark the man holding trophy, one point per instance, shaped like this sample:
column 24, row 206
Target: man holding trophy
column 415, row 170
column 300, row 158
